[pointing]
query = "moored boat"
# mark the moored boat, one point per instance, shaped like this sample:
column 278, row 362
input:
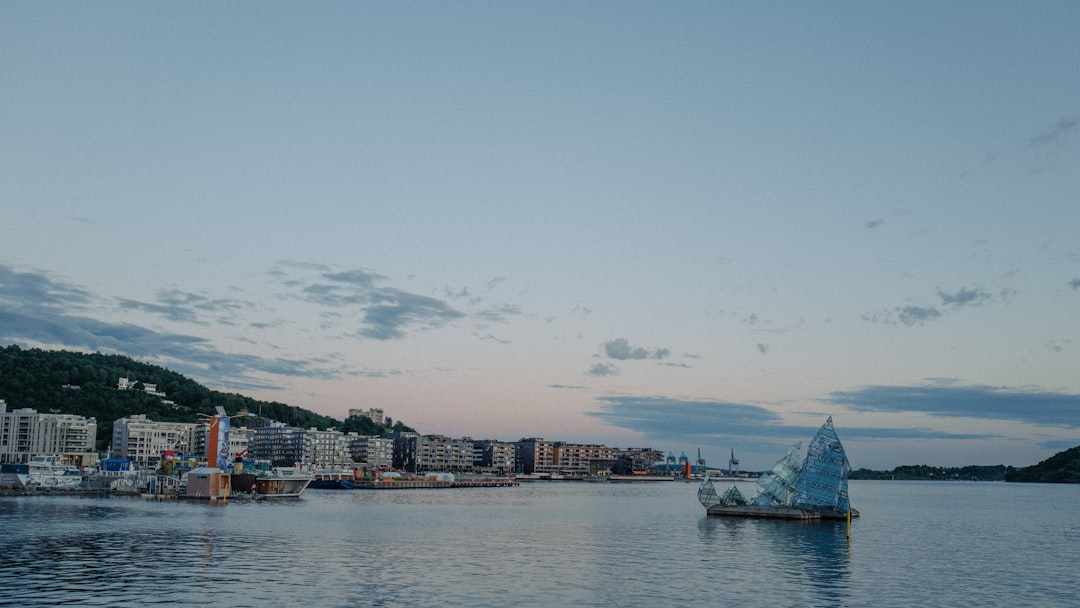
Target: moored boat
column 41, row 472
column 285, row 482
column 333, row 479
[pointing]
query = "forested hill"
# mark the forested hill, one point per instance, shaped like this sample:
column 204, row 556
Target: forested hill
column 1063, row 467
column 86, row 385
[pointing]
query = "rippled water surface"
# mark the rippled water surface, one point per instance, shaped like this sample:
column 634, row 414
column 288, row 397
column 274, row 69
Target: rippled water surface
column 545, row 544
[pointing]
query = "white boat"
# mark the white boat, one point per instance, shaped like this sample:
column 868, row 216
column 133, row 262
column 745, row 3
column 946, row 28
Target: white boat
column 281, row 482
column 41, row 472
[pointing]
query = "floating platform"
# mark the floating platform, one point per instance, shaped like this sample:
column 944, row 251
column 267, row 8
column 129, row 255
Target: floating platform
column 775, row 512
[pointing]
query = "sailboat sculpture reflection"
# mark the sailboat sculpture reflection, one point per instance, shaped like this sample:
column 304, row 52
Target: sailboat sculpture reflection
column 815, row 489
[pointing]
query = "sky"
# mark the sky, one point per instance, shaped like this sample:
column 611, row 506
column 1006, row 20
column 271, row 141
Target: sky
column 684, row 226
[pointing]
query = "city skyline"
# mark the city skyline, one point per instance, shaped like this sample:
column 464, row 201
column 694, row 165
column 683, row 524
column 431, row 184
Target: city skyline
column 703, row 225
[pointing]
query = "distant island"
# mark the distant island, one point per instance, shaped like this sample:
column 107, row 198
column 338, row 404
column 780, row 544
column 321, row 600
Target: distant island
column 84, row 384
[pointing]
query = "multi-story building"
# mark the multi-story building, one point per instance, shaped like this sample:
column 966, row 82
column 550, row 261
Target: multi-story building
column 145, row 441
column 25, row 432
column 282, row 445
column 637, row 460
column 286, row 446
column 371, row 451
column 493, row 457
column 535, row 455
column 326, row 449
column 426, row 453
column 239, row 441
column 374, row 414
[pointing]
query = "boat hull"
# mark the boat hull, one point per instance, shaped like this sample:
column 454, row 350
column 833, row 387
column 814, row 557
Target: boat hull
column 332, row 484
column 280, row 486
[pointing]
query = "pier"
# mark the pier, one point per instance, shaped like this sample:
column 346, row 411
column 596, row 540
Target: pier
column 419, row 484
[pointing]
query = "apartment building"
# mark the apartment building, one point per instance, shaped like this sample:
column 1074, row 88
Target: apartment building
column 25, row 432
column 371, row 451
column 535, row 455
column 326, row 449
column 432, row 453
column 496, row 457
column 144, row 441
column 286, row 446
column 373, row 414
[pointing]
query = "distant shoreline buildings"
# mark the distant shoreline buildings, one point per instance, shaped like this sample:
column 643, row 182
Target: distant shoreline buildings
column 25, row 433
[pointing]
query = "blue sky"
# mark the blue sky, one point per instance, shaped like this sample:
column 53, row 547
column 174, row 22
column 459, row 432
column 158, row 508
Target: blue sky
column 692, row 225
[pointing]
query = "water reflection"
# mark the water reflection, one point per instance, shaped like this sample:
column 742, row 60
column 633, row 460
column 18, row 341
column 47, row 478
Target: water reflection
column 800, row 557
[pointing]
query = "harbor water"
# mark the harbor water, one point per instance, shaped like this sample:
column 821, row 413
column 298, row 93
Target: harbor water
column 545, row 544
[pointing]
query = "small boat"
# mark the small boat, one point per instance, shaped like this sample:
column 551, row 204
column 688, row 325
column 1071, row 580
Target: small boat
column 816, row 488
column 333, row 479
column 283, row 482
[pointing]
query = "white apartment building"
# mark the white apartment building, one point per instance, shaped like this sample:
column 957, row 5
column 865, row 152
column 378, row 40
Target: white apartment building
column 25, row 432
column 326, row 449
column 144, row 441
column 432, row 453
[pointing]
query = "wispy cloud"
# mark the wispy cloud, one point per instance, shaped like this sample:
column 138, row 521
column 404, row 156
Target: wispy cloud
column 947, row 398
column 738, row 425
column 911, row 315
column 385, row 313
column 622, row 350
column 602, row 369
column 187, row 307
column 32, row 290
column 500, row 313
column 1062, row 129
column 964, row 297
column 36, row 308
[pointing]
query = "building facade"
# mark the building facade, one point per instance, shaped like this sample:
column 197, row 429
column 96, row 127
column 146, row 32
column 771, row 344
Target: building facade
column 432, row 453
column 538, row 456
column 373, row 414
column 371, row 451
column 326, row 449
column 282, row 445
column 496, row 457
column 25, row 432
column 145, row 441
column 286, row 446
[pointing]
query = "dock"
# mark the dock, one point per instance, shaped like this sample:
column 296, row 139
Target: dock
column 424, row 484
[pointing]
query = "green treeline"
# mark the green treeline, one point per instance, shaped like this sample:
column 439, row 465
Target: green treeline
column 85, row 384
column 1063, row 467
column 925, row 472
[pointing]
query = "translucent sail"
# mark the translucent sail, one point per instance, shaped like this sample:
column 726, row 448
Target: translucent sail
column 822, row 484
column 777, row 486
column 731, row 497
column 707, row 494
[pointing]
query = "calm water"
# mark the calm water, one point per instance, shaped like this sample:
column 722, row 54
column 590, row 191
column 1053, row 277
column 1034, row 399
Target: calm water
column 545, row 544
